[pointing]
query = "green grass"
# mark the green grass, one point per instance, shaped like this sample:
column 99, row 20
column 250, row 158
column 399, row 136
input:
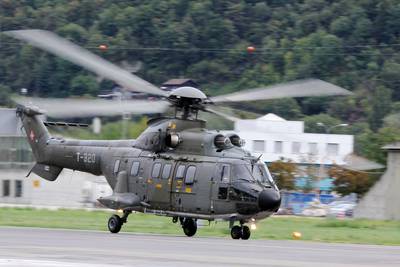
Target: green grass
column 313, row 229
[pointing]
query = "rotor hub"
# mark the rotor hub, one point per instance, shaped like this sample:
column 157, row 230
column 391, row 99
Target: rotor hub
column 188, row 100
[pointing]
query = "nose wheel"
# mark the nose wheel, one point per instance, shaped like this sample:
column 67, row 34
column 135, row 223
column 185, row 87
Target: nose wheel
column 115, row 222
column 240, row 232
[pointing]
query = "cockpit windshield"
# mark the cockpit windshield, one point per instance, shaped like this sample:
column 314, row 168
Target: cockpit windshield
column 257, row 172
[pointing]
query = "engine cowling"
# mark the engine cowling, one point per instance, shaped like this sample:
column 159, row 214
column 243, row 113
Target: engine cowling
column 236, row 140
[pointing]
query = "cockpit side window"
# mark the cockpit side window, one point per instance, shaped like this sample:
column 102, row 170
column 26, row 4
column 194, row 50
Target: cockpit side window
column 225, row 173
column 116, row 166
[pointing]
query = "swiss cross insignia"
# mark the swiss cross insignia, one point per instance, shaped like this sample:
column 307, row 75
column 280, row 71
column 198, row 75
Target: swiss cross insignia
column 32, row 135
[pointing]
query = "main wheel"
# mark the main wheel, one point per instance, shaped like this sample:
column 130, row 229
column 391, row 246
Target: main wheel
column 236, row 232
column 245, row 232
column 189, row 227
column 114, row 224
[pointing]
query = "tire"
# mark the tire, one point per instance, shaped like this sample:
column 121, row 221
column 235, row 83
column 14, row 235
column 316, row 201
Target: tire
column 236, row 232
column 114, row 224
column 245, row 232
column 189, row 227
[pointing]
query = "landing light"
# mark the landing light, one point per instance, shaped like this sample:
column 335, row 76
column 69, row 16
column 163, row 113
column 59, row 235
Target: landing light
column 120, row 211
column 253, row 226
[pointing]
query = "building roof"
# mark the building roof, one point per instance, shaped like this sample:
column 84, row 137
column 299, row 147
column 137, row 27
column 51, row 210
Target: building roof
column 392, row 146
column 358, row 163
column 271, row 117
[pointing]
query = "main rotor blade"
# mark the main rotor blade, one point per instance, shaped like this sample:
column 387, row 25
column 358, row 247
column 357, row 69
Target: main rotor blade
column 67, row 50
column 300, row 88
column 74, row 108
column 222, row 114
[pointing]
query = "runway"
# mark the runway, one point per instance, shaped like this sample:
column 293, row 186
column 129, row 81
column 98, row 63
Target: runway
column 70, row 248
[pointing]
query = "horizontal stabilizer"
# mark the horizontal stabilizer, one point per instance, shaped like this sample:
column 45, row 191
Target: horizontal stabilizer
column 47, row 172
column 120, row 201
column 69, row 124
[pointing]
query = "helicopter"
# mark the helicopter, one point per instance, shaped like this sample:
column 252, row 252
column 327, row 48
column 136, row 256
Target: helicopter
column 176, row 167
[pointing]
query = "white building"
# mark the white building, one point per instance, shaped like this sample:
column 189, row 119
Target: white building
column 275, row 137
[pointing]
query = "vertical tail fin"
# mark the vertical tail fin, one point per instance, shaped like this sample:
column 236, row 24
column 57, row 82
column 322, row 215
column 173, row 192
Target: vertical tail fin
column 36, row 131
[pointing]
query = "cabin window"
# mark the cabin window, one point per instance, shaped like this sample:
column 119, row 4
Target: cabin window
column 18, row 188
column 135, row 168
column 156, row 170
column 190, row 173
column 180, row 172
column 225, row 173
column 6, row 188
column 166, row 171
column 116, row 166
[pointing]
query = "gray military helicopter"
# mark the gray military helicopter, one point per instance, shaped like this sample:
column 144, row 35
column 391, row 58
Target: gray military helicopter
column 176, row 167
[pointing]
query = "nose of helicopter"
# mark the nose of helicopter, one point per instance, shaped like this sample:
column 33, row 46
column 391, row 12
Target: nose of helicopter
column 269, row 200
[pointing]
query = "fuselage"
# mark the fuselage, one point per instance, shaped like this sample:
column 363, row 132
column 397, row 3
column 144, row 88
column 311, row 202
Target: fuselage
column 175, row 167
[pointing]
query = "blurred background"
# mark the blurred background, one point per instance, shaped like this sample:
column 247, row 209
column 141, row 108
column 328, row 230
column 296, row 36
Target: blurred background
column 325, row 153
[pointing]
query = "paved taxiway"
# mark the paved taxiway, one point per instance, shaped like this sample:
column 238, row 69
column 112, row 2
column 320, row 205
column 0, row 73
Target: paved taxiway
column 68, row 248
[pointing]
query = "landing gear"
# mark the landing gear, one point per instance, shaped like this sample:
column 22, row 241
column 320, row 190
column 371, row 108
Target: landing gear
column 236, row 232
column 189, row 226
column 242, row 232
column 115, row 222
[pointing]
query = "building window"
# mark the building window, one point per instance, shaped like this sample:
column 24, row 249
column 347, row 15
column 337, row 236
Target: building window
column 156, row 170
column 135, row 168
column 332, row 149
column 258, row 145
column 296, row 147
column 278, row 147
column 166, row 171
column 18, row 188
column 6, row 188
column 190, row 173
column 313, row 148
column 116, row 166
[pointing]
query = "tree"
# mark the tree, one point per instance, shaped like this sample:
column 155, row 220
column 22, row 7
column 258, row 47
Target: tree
column 83, row 84
column 311, row 123
column 381, row 102
column 283, row 172
column 370, row 143
column 4, row 95
column 348, row 181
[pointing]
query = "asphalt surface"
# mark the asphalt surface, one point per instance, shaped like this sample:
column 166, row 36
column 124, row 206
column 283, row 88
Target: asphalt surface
column 69, row 248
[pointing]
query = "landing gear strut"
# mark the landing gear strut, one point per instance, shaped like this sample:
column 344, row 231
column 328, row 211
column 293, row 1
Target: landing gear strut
column 241, row 231
column 189, row 226
column 115, row 222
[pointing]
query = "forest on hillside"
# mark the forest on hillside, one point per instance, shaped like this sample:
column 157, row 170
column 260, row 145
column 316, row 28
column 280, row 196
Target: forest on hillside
column 351, row 43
